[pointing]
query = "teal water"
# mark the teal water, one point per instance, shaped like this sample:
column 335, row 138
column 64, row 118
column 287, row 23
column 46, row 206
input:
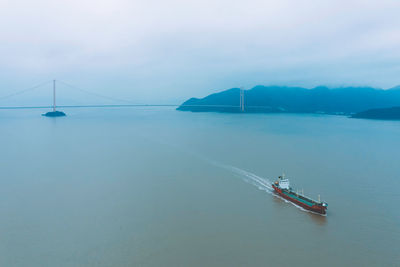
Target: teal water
column 158, row 187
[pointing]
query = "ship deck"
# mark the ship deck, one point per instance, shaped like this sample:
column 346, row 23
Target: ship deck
column 302, row 200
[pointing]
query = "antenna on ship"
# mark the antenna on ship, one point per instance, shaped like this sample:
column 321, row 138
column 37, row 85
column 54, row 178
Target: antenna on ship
column 319, row 198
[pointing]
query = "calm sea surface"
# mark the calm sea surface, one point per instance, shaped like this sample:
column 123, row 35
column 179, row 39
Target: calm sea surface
column 158, row 187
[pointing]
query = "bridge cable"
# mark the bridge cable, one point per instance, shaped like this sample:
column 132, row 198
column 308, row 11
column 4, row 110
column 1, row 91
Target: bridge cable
column 24, row 91
column 96, row 94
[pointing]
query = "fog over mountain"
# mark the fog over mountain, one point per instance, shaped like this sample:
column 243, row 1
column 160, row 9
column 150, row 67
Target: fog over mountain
column 266, row 99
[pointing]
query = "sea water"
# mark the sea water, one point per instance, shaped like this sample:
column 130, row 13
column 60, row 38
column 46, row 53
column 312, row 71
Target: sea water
column 159, row 187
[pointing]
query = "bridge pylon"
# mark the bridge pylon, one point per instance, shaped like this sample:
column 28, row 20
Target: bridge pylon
column 241, row 99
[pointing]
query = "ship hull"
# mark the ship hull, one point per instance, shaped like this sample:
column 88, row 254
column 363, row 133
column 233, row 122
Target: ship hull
column 314, row 208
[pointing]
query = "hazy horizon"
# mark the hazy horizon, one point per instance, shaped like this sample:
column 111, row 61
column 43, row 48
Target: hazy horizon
column 171, row 51
column 42, row 96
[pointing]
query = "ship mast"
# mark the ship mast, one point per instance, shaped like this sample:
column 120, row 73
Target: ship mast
column 54, row 95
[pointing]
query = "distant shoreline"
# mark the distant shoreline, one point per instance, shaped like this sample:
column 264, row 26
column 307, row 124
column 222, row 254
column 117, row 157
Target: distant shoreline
column 392, row 113
column 346, row 101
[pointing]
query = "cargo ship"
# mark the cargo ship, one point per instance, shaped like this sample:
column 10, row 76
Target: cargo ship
column 282, row 188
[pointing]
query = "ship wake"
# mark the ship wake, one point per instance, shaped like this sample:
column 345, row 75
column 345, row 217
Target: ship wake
column 261, row 183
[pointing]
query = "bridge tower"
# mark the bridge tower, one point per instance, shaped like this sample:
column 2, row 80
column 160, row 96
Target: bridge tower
column 54, row 95
column 241, row 99
column 54, row 113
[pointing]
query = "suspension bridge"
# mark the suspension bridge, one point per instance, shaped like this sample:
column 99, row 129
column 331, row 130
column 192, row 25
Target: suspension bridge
column 118, row 101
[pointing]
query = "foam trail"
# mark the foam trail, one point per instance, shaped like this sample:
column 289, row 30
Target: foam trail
column 260, row 182
column 251, row 178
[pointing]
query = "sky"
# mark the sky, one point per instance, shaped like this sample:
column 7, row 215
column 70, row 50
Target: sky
column 167, row 51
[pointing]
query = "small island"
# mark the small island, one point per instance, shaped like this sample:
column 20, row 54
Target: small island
column 379, row 114
column 54, row 114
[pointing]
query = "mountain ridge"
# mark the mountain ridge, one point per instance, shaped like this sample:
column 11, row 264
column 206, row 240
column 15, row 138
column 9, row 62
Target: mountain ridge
column 320, row 99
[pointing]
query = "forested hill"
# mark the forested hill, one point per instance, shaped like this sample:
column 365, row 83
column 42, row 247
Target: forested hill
column 266, row 99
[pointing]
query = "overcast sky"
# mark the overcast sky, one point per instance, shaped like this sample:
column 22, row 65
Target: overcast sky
column 167, row 51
